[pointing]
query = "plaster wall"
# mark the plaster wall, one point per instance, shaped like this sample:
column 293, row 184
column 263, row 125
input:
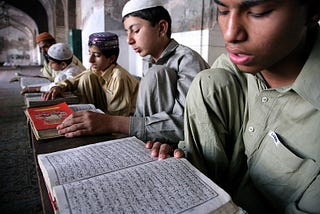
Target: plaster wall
column 192, row 25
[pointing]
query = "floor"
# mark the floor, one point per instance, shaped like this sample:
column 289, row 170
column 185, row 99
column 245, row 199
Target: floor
column 19, row 191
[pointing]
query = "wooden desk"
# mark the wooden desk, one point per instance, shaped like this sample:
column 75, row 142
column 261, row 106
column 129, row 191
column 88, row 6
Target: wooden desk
column 57, row 144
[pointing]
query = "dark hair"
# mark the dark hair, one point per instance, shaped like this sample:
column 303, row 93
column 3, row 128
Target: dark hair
column 109, row 53
column 153, row 15
column 50, row 41
column 313, row 7
column 67, row 61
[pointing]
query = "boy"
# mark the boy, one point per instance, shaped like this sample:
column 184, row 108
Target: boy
column 44, row 40
column 106, row 84
column 252, row 121
column 163, row 87
column 60, row 59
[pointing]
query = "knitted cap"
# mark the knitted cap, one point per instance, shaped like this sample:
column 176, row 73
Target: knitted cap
column 136, row 5
column 43, row 36
column 104, row 40
column 60, row 51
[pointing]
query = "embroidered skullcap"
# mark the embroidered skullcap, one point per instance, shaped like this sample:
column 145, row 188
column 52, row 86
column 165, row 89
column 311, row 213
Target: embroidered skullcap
column 104, row 40
column 60, row 51
column 136, row 5
column 43, row 36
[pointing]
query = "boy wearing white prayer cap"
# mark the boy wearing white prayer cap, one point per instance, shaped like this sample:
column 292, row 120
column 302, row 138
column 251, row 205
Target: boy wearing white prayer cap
column 106, row 84
column 170, row 70
column 60, row 59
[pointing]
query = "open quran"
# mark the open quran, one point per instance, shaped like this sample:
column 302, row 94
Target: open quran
column 120, row 176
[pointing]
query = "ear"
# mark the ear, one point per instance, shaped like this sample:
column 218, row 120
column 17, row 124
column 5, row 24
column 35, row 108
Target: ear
column 113, row 58
column 314, row 13
column 163, row 27
column 64, row 65
column 313, row 21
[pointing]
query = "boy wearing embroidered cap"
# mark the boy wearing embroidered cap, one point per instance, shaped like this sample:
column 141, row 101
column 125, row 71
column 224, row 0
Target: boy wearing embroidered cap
column 44, row 40
column 106, row 84
column 163, row 87
column 60, row 57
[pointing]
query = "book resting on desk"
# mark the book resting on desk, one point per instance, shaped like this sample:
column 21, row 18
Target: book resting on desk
column 35, row 99
column 45, row 119
column 27, row 81
column 120, row 176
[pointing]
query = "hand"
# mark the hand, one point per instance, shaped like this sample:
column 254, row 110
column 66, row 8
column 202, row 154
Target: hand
column 53, row 93
column 162, row 151
column 84, row 123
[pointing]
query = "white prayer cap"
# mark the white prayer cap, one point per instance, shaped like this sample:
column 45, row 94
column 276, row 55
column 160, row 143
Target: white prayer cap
column 136, row 5
column 60, row 51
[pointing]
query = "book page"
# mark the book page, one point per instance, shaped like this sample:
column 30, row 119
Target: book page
column 33, row 82
column 166, row 186
column 33, row 94
column 82, row 107
column 90, row 160
column 85, row 107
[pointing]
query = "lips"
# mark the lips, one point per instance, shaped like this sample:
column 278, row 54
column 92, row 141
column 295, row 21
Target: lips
column 93, row 67
column 137, row 50
column 239, row 57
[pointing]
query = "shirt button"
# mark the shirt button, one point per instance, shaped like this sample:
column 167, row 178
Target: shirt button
column 264, row 99
column 251, row 129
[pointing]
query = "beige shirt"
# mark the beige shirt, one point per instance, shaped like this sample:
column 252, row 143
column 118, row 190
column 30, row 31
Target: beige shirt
column 115, row 91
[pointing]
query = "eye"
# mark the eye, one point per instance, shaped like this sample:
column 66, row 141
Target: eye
column 135, row 29
column 222, row 11
column 259, row 14
column 95, row 54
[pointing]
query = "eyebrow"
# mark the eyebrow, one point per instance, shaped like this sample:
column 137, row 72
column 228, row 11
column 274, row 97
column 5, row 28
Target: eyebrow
column 245, row 3
column 94, row 52
column 131, row 26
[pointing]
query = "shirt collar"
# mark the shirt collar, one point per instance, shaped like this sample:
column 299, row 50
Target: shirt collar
column 307, row 83
column 108, row 72
column 173, row 44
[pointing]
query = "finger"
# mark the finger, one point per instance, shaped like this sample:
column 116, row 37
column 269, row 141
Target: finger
column 76, row 133
column 54, row 94
column 46, row 96
column 164, row 151
column 155, row 149
column 68, row 130
column 149, row 144
column 178, row 153
column 72, row 119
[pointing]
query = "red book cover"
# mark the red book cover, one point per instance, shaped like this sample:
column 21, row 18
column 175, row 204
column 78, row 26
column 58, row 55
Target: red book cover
column 49, row 117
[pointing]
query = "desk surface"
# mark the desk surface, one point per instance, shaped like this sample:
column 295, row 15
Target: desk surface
column 57, row 144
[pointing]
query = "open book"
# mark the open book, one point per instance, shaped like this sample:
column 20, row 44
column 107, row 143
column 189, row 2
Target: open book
column 120, row 176
column 33, row 81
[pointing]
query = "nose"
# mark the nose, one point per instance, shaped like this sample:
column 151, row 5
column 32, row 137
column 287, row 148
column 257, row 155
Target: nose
column 234, row 29
column 130, row 40
column 91, row 58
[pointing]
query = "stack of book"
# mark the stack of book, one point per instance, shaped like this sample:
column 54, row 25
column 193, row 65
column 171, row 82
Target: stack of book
column 45, row 119
column 35, row 99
